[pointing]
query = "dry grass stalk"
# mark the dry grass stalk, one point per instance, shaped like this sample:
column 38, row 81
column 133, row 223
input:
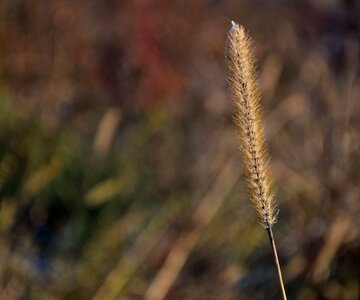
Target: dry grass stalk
column 245, row 93
column 183, row 246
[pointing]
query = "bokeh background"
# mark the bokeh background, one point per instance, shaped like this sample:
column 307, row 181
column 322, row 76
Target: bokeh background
column 120, row 175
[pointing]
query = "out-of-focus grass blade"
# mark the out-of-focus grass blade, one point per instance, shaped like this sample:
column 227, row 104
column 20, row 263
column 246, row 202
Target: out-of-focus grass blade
column 103, row 192
column 42, row 177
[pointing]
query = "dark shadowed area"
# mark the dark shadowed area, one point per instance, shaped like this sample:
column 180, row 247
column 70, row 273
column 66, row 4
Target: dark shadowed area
column 120, row 173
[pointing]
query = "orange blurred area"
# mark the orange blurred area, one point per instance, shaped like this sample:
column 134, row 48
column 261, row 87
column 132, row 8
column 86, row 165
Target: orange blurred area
column 120, row 175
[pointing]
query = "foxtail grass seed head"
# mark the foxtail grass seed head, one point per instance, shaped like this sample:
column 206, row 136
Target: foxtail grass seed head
column 243, row 83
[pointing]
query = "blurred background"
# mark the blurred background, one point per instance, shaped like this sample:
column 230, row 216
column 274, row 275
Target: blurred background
column 120, row 175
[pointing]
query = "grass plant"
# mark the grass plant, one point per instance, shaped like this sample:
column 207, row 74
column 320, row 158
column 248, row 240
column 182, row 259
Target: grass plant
column 250, row 129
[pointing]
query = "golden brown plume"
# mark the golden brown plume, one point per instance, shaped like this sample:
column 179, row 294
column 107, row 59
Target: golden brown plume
column 245, row 94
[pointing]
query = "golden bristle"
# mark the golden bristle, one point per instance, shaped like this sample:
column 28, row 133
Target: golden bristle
column 245, row 94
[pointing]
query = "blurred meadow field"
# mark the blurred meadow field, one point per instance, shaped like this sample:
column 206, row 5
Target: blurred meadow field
column 120, row 173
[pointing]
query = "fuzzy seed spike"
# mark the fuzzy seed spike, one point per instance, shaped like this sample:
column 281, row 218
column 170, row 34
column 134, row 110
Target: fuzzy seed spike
column 248, row 118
